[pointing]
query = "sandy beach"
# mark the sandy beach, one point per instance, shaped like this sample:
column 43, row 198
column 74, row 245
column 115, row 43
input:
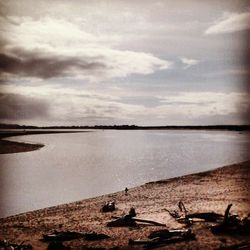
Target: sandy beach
column 202, row 192
column 124, row 125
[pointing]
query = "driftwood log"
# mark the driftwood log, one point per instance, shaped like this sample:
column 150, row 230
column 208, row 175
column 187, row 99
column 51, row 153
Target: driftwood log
column 62, row 236
column 129, row 221
column 164, row 237
column 232, row 224
column 14, row 246
column 95, row 236
column 165, row 233
column 57, row 245
column 182, row 216
column 66, row 236
column 125, row 221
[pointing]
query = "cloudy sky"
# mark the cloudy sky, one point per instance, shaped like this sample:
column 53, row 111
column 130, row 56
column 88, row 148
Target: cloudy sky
column 124, row 62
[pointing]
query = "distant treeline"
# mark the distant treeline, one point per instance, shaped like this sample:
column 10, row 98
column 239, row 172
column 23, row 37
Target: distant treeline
column 132, row 127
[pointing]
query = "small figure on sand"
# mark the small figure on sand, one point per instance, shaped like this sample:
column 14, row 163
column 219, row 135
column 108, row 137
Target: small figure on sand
column 126, row 191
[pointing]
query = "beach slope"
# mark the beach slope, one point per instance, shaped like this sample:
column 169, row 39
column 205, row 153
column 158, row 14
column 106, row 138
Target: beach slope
column 202, row 192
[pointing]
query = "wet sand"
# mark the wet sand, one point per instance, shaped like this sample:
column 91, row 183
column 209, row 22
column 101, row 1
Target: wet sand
column 203, row 192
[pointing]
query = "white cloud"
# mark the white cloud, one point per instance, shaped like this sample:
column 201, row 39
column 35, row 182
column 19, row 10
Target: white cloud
column 230, row 22
column 74, row 106
column 72, row 50
column 188, row 62
column 198, row 104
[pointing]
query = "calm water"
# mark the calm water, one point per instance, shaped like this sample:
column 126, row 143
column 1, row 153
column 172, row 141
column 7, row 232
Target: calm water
column 75, row 166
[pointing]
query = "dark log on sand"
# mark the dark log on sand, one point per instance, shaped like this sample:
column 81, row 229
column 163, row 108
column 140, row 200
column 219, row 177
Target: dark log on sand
column 164, row 237
column 165, row 233
column 128, row 221
column 65, row 236
column 232, row 224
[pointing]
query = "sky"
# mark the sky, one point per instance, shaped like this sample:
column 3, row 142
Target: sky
column 163, row 62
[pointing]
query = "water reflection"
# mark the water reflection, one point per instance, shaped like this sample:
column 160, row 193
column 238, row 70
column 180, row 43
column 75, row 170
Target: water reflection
column 76, row 166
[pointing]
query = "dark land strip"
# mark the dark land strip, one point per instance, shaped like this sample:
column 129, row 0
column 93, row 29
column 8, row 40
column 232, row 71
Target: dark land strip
column 8, row 147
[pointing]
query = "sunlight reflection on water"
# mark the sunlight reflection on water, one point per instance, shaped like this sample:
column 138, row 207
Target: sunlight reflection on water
column 76, row 166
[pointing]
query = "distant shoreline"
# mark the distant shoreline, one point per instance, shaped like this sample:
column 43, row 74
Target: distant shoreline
column 135, row 127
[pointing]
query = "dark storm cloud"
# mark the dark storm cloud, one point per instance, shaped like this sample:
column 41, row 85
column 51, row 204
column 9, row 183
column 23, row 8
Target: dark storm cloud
column 35, row 65
column 18, row 107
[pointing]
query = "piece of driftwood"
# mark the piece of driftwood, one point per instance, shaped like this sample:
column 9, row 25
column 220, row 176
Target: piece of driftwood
column 232, row 224
column 233, row 227
column 94, row 236
column 226, row 215
column 200, row 217
column 182, row 208
column 151, row 222
column 174, row 214
column 163, row 242
column 209, row 216
column 62, row 236
column 128, row 221
column 165, row 233
column 57, row 245
column 125, row 221
column 132, row 212
column 108, row 207
column 179, row 214
column 184, row 217
column 164, row 237
column 65, row 236
column 139, row 242
column 14, row 246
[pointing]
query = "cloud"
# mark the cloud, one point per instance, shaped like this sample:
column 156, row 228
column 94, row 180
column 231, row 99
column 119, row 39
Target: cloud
column 51, row 47
column 199, row 104
column 55, row 104
column 35, row 65
column 15, row 107
column 230, row 22
column 65, row 105
column 188, row 62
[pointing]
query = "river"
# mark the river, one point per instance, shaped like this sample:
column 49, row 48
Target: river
column 81, row 165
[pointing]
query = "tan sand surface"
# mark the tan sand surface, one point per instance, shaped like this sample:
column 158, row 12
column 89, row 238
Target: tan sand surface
column 203, row 192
